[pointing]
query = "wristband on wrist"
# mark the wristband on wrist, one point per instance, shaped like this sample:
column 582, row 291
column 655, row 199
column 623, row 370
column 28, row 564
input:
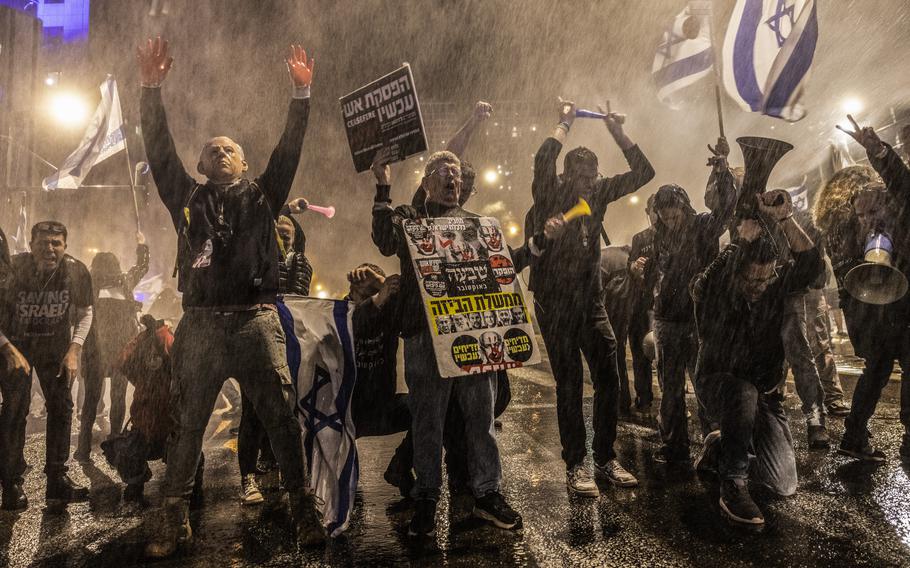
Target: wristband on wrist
column 563, row 124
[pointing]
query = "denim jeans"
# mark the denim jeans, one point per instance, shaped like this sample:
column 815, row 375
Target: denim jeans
column 818, row 330
column 570, row 332
column 429, row 396
column 750, row 420
column 639, row 327
column 208, row 348
column 799, row 357
column 252, row 440
column 677, row 351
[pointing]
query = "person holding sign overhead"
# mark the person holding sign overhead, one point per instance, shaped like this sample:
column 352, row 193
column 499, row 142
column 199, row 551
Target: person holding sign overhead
column 566, row 282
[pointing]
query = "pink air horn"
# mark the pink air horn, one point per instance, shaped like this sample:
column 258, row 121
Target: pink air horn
column 329, row 211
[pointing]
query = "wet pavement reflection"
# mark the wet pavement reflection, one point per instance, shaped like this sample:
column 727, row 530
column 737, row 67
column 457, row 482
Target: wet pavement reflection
column 844, row 514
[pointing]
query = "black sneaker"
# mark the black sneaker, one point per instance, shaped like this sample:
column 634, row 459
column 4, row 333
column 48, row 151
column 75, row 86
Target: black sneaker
column 62, row 489
column 423, row 523
column 737, row 506
column 397, row 476
column 860, row 450
column 14, row 498
column 818, row 437
column 493, row 507
column 838, row 408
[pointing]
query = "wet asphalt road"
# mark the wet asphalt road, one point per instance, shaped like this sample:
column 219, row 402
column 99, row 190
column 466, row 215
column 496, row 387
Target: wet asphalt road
column 843, row 514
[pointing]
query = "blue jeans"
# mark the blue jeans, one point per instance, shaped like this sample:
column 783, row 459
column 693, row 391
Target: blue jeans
column 799, row 357
column 750, row 420
column 428, row 397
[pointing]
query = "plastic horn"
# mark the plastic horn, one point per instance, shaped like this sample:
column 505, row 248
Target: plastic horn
column 582, row 113
column 580, row 210
column 329, row 211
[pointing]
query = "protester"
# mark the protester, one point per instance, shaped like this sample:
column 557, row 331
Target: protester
column 644, row 275
column 684, row 244
column 740, row 303
column 228, row 258
column 429, row 393
column 568, row 296
column 46, row 314
column 879, row 334
column 114, row 325
column 617, row 297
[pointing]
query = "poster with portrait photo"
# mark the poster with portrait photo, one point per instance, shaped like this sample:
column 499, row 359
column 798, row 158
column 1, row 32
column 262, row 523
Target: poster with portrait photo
column 477, row 313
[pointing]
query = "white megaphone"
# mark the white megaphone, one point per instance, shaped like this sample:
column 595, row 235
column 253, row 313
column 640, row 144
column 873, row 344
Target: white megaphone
column 329, row 211
column 876, row 281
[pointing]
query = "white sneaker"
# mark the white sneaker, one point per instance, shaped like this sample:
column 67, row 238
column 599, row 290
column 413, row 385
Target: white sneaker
column 616, row 474
column 580, row 482
column 249, row 491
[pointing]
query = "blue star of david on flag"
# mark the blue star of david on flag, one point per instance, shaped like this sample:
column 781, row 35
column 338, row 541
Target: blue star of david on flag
column 774, row 22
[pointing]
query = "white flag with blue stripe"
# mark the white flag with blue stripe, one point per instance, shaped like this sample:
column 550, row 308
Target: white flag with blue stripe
column 320, row 348
column 103, row 138
column 768, row 53
column 800, row 195
column 685, row 54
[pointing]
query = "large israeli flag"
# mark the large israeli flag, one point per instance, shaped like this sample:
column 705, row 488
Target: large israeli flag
column 685, row 54
column 103, row 138
column 320, row 347
column 768, row 52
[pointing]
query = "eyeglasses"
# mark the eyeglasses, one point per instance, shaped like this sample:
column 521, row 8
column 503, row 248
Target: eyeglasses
column 446, row 171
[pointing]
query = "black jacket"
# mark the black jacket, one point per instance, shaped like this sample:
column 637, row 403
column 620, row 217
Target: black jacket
column 642, row 290
column 740, row 338
column 680, row 255
column 388, row 237
column 227, row 251
column 568, row 272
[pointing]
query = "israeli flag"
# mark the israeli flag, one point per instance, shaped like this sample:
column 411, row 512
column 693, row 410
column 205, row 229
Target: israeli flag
column 685, row 54
column 800, row 196
column 320, row 347
column 103, row 138
column 768, row 52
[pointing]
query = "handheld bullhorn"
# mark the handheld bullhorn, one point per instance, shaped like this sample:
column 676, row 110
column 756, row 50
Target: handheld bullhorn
column 760, row 155
column 581, row 209
column 876, row 281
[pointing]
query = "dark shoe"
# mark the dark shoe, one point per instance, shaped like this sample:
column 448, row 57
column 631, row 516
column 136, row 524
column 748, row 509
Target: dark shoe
column 838, row 408
column 62, row 490
column 423, row 523
column 400, row 476
column 249, row 491
column 14, row 498
column 707, row 460
column 174, row 529
column 83, row 456
column 458, row 488
column 818, row 438
column 860, row 450
column 134, row 493
column 615, row 473
column 737, row 506
column 493, row 507
column 905, row 449
column 308, row 518
column 671, row 457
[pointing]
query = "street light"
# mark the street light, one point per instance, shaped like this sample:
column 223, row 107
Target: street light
column 490, row 176
column 68, row 109
column 852, row 105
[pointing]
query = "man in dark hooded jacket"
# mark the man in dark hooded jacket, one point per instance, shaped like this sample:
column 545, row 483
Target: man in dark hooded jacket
column 685, row 243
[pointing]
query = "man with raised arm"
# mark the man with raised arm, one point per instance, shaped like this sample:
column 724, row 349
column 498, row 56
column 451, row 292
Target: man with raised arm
column 568, row 294
column 227, row 258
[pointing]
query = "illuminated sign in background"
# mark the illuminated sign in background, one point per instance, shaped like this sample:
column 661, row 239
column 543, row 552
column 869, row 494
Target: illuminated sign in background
column 64, row 21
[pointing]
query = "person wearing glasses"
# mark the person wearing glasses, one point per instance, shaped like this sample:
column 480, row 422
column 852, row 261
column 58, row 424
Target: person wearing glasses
column 568, row 294
column 740, row 304
column 685, row 242
column 227, row 258
column 45, row 318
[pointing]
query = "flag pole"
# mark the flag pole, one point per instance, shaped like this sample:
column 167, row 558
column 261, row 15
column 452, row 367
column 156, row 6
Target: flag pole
column 129, row 172
column 717, row 97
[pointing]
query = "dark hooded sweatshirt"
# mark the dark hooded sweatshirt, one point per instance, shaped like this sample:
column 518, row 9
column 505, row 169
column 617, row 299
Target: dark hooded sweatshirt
column 227, row 250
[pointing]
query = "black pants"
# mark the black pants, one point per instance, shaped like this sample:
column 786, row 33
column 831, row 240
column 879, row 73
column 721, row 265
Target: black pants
column 16, row 398
column 639, row 327
column 377, row 412
column 570, row 331
column 96, row 366
column 454, row 439
column 252, row 439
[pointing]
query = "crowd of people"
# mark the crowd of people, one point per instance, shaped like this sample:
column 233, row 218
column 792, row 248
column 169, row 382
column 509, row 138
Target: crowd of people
column 733, row 316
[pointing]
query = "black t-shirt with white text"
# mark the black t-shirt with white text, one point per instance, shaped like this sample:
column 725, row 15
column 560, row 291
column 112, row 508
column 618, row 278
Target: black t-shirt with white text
column 38, row 310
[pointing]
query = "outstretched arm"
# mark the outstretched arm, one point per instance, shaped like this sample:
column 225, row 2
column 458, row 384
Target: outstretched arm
column 459, row 141
column 883, row 158
column 170, row 176
column 722, row 183
column 278, row 176
column 545, row 181
column 640, row 170
column 141, row 268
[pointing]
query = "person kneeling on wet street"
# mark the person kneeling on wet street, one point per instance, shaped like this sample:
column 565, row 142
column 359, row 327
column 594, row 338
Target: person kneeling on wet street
column 740, row 304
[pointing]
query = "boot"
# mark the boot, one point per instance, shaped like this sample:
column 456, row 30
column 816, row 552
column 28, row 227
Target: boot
column 818, row 437
column 14, row 498
column 134, row 493
column 61, row 490
column 307, row 517
column 174, row 529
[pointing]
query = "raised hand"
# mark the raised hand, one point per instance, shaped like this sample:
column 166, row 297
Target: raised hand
column 865, row 135
column 390, row 287
column 154, row 61
column 298, row 205
column 140, row 238
column 299, row 67
column 482, row 111
column 381, row 168
column 614, row 122
column 719, row 152
column 776, row 203
column 566, row 111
